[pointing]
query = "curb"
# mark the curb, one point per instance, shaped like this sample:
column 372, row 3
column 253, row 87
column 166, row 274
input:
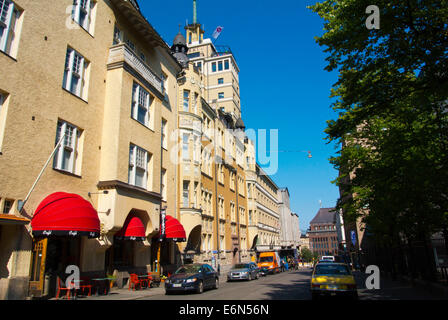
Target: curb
column 423, row 284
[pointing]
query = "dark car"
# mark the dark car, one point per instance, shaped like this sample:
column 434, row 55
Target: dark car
column 244, row 271
column 193, row 277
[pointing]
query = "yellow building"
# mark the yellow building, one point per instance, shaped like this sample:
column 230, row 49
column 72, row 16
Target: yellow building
column 97, row 75
column 211, row 181
column 267, row 212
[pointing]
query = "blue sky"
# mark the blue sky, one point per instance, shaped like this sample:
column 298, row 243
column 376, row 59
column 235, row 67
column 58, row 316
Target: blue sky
column 283, row 83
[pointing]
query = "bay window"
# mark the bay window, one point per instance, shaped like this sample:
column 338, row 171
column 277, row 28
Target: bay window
column 9, row 18
column 141, row 105
column 82, row 13
column 75, row 74
column 66, row 156
column 138, row 166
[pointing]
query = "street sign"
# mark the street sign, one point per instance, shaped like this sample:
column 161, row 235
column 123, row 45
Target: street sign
column 353, row 237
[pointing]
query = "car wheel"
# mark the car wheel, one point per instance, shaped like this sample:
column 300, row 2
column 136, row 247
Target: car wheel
column 216, row 283
column 200, row 288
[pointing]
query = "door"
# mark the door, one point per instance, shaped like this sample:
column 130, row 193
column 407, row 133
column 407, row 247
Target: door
column 209, row 276
column 37, row 278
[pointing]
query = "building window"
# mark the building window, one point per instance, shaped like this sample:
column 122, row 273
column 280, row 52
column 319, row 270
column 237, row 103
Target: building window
column 141, row 105
column 221, row 81
column 67, row 153
column 130, row 44
column 185, row 194
column 219, row 65
column 2, row 117
column 185, row 153
column 186, row 103
column 195, row 195
column 213, row 66
column 221, row 95
column 82, row 13
column 9, row 18
column 164, row 134
column 138, row 166
column 195, row 103
column 118, row 35
column 226, row 65
column 7, row 206
column 75, row 74
column 164, row 83
column 163, row 186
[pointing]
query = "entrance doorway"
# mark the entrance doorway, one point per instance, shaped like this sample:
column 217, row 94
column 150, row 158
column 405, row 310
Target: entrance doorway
column 51, row 256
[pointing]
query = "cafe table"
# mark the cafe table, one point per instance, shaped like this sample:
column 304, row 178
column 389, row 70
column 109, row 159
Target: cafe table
column 99, row 282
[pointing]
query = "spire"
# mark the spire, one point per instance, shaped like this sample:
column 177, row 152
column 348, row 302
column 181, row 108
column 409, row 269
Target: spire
column 194, row 12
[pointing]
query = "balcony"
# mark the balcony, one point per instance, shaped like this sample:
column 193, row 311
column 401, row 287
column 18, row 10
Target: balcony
column 121, row 55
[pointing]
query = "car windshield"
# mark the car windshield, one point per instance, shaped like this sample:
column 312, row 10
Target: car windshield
column 331, row 269
column 188, row 269
column 241, row 266
column 266, row 259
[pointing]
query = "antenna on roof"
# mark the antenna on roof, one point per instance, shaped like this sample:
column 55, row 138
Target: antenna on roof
column 320, row 203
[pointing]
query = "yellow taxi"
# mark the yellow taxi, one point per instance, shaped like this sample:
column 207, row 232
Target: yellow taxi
column 333, row 279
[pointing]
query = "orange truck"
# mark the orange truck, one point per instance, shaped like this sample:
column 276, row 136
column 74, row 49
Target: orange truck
column 269, row 261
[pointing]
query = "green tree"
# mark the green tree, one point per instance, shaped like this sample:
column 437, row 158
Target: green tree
column 392, row 124
column 306, row 254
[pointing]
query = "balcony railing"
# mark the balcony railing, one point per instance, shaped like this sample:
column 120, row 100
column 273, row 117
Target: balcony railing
column 121, row 53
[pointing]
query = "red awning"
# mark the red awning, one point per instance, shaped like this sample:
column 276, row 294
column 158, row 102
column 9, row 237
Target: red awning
column 65, row 214
column 133, row 229
column 174, row 230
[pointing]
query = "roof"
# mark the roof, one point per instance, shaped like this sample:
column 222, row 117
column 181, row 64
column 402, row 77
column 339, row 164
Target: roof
column 180, row 39
column 324, row 215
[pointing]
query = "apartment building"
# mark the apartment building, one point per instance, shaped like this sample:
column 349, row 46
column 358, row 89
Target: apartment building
column 323, row 232
column 93, row 82
column 211, row 181
column 289, row 222
column 267, row 212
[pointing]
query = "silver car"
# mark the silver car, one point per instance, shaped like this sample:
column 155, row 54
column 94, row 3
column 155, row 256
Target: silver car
column 244, row 271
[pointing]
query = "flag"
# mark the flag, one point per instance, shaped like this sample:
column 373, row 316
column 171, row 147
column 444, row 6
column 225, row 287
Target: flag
column 217, row 32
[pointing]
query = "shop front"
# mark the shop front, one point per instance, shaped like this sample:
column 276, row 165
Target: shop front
column 61, row 227
column 168, row 253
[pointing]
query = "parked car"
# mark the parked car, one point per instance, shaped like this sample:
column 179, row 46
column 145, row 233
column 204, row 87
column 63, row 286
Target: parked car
column 194, row 277
column 331, row 279
column 269, row 261
column 244, row 271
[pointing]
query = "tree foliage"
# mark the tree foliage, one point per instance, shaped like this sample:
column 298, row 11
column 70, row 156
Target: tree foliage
column 392, row 107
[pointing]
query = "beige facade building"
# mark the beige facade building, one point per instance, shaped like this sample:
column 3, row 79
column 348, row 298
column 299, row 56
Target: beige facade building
column 97, row 75
column 211, row 181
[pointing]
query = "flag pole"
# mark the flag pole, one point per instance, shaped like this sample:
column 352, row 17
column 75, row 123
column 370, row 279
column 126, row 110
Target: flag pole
column 41, row 172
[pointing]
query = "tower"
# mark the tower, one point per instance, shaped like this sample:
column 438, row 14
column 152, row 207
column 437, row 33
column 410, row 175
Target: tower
column 195, row 33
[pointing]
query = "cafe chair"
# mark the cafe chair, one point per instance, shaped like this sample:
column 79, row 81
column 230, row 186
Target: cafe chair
column 86, row 285
column 62, row 287
column 134, row 281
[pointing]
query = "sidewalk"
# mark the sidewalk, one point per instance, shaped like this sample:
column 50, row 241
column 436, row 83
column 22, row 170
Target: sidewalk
column 124, row 294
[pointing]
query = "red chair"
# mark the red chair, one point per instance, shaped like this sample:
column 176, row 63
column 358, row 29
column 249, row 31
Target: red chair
column 86, row 285
column 61, row 287
column 134, row 281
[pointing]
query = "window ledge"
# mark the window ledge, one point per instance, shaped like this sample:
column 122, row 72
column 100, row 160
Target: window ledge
column 11, row 57
column 67, row 173
column 71, row 93
column 142, row 124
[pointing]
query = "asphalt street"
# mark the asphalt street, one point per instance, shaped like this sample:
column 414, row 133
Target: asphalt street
column 294, row 285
